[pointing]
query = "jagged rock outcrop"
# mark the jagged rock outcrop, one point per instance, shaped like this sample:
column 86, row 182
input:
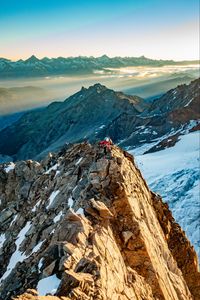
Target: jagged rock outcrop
column 84, row 225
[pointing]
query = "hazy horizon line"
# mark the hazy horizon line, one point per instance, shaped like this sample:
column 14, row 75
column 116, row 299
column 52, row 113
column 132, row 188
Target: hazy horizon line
column 92, row 56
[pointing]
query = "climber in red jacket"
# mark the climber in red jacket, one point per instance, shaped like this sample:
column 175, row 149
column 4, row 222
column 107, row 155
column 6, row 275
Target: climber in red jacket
column 106, row 144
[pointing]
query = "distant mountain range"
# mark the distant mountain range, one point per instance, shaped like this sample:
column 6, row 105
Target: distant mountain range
column 74, row 65
column 96, row 112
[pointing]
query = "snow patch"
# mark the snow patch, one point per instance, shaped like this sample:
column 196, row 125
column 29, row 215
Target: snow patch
column 147, row 146
column 52, row 197
column 188, row 102
column 40, row 263
column 192, row 124
column 80, row 211
column 52, row 168
column 10, row 167
column 70, row 202
column 57, row 172
column 74, row 188
column 102, row 126
column 147, row 130
column 37, row 247
column 78, row 162
column 2, row 239
column 17, row 256
column 52, row 231
column 58, row 217
column 36, row 205
column 48, row 285
column 13, row 221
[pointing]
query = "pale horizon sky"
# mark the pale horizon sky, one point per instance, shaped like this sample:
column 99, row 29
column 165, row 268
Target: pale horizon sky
column 66, row 28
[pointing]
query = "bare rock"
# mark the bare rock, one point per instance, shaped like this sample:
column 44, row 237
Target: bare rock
column 94, row 225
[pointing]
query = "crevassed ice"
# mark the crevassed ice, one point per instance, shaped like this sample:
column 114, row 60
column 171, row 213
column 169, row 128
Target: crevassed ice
column 174, row 174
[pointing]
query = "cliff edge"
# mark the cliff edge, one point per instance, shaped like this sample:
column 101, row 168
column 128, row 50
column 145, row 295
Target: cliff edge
column 82, row 224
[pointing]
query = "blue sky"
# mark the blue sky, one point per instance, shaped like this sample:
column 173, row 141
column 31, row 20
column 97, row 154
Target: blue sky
column 154, row 28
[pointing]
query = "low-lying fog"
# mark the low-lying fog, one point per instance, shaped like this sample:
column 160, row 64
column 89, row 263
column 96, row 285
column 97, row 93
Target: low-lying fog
column 22, row 94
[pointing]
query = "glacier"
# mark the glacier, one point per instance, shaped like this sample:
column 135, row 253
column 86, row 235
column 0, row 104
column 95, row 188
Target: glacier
column 174, row 174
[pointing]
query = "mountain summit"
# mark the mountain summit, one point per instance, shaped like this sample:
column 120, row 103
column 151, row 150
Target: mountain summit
column 32, row 59
column 96, row 112
column 83, row 224
column 79, row 117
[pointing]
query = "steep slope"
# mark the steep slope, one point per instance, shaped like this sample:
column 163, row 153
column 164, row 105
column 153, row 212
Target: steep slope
column 77, row 118
column 87, row 226
column 93, row 113
column 7, row 120
column 174, row 174
column 174, row 113
column 177, row 98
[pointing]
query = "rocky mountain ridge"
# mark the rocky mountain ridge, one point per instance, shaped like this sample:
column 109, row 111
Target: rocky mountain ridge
column 174, row 113
column 86, row 225
column 96, row 112
column 75, row 119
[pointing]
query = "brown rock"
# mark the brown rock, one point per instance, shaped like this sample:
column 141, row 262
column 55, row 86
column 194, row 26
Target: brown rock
column 127, row 246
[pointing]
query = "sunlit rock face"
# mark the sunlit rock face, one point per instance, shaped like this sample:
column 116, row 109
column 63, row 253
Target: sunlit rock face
column 82, row 224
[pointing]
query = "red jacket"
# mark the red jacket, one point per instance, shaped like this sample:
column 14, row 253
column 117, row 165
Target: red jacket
column 105, row 144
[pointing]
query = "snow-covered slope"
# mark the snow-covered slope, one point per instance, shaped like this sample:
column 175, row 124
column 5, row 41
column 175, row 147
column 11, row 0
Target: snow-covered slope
column 174, row 174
